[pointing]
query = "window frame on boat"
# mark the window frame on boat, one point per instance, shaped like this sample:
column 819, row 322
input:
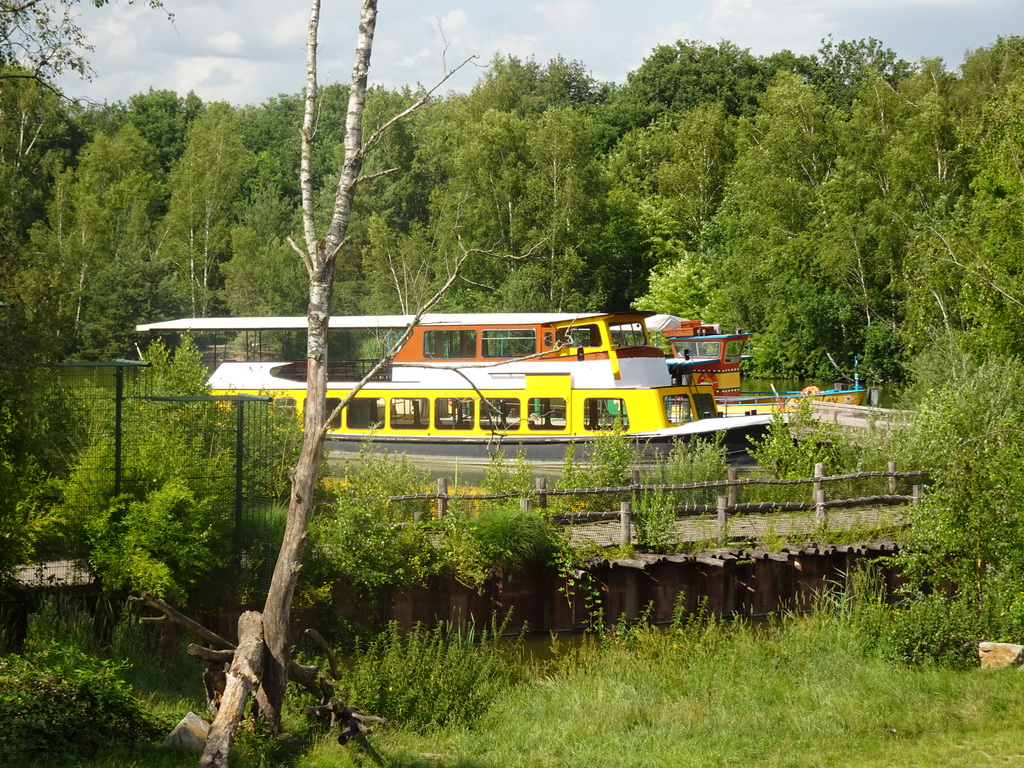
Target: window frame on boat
column 571, row 336
column 420, row 413
column 332, row 404
column 508, row 409
column 542, row 413
column 704, row 405
column 450, row 343
column 628, row 333
column 511, row 342
column 358, row 413
column 454, row 413
column 674, row 407
column 697, row 349
column 734, row 350
column 602, row 414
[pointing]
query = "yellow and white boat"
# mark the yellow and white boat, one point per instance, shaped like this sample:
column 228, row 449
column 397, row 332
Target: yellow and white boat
column 467, row 385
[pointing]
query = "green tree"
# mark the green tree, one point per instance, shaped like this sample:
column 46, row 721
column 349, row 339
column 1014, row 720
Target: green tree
column 163, row 118
column 100, row 229
column 205, row 184
column 846, row 67
column 762, row 232
column 677, row 78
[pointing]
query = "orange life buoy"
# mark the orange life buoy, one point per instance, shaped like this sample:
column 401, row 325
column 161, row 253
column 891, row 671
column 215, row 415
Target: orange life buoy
column 706, row 377
column 811, row 390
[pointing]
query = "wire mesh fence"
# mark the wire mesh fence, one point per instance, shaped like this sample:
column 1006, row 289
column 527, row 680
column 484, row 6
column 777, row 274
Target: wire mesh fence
column 115, row 439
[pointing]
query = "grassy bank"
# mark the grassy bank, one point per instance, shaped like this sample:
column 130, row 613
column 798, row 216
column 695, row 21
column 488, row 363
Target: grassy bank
column 801, row 691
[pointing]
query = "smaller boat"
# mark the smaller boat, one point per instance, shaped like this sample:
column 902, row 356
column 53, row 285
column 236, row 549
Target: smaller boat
column 750, row 403
column 704, row 354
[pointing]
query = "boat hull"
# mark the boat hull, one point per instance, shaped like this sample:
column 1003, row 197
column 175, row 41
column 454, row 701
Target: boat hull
column 737, row 435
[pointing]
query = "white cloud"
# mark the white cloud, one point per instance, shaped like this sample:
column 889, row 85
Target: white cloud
column 225, row 42
column 247, row 52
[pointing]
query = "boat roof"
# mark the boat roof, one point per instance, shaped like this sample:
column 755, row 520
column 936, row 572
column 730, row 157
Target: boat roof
column 300, row 322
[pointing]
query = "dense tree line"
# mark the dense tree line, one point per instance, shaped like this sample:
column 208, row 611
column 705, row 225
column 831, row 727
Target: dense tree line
column 838, row 205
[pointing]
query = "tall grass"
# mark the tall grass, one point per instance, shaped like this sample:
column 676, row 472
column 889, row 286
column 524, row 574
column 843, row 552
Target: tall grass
column 428, row 678
column 797, row 691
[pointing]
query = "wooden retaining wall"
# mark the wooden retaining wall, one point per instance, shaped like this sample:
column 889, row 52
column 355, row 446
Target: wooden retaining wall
column 729, row 582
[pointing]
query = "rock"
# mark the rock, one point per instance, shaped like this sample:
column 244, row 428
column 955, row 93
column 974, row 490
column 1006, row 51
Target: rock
column 999, row 655
column 189, row 735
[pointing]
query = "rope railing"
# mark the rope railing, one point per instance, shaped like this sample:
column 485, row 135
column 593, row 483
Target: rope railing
column 541, row 492
column 726, row 505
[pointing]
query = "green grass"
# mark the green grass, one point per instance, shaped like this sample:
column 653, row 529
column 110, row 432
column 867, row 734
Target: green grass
column 801, row 691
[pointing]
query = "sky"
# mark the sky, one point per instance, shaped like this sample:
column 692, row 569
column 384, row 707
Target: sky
column 247, row 51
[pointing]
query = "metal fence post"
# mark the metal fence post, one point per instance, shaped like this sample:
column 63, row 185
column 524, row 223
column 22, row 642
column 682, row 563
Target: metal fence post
column 118, row 424
column 239, row 464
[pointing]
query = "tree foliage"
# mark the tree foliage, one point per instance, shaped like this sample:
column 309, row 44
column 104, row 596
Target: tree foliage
column 840, row 205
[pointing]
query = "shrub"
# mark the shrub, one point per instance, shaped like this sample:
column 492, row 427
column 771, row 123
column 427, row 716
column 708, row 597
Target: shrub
column 513, row 539
column 164, row 544
column 61, row 704
column 933, row 629
column 431, row 678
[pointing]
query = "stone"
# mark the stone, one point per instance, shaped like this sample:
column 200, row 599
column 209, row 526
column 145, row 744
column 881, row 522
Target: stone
column 999, row 655
column 189, row 735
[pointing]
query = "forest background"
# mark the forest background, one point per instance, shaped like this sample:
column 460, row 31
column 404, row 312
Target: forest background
column 847, row 204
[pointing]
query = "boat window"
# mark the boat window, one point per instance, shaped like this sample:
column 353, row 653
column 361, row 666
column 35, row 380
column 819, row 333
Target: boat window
column 604, row 413
column 284, row 402
column 365, row 413
column 549, row 339
column 705, row 404
column 546, row 413
column 453, row 412
column 332, row 403
column 501, row 413
column 516, row 342
column 449, row 345
column 627, row 334
column 733, row 351
column 410, row 413
column 691, row 350
column 677, row 409
column 581, row 336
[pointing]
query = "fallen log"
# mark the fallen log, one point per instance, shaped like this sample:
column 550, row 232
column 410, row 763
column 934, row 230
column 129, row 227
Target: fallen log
column 242, row 678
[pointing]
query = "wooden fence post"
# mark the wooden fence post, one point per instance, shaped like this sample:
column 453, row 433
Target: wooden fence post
column 723, row 518
column 732, row 475
column 542, row 492
column 916, row 494
column 819, row 492
column 525, row 504
column 442, row 497
column 634, row 480
column 625, row 523
column 892, row 478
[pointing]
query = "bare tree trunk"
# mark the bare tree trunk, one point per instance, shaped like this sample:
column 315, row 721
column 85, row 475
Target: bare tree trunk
column 242, row 678
column 319, row 257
